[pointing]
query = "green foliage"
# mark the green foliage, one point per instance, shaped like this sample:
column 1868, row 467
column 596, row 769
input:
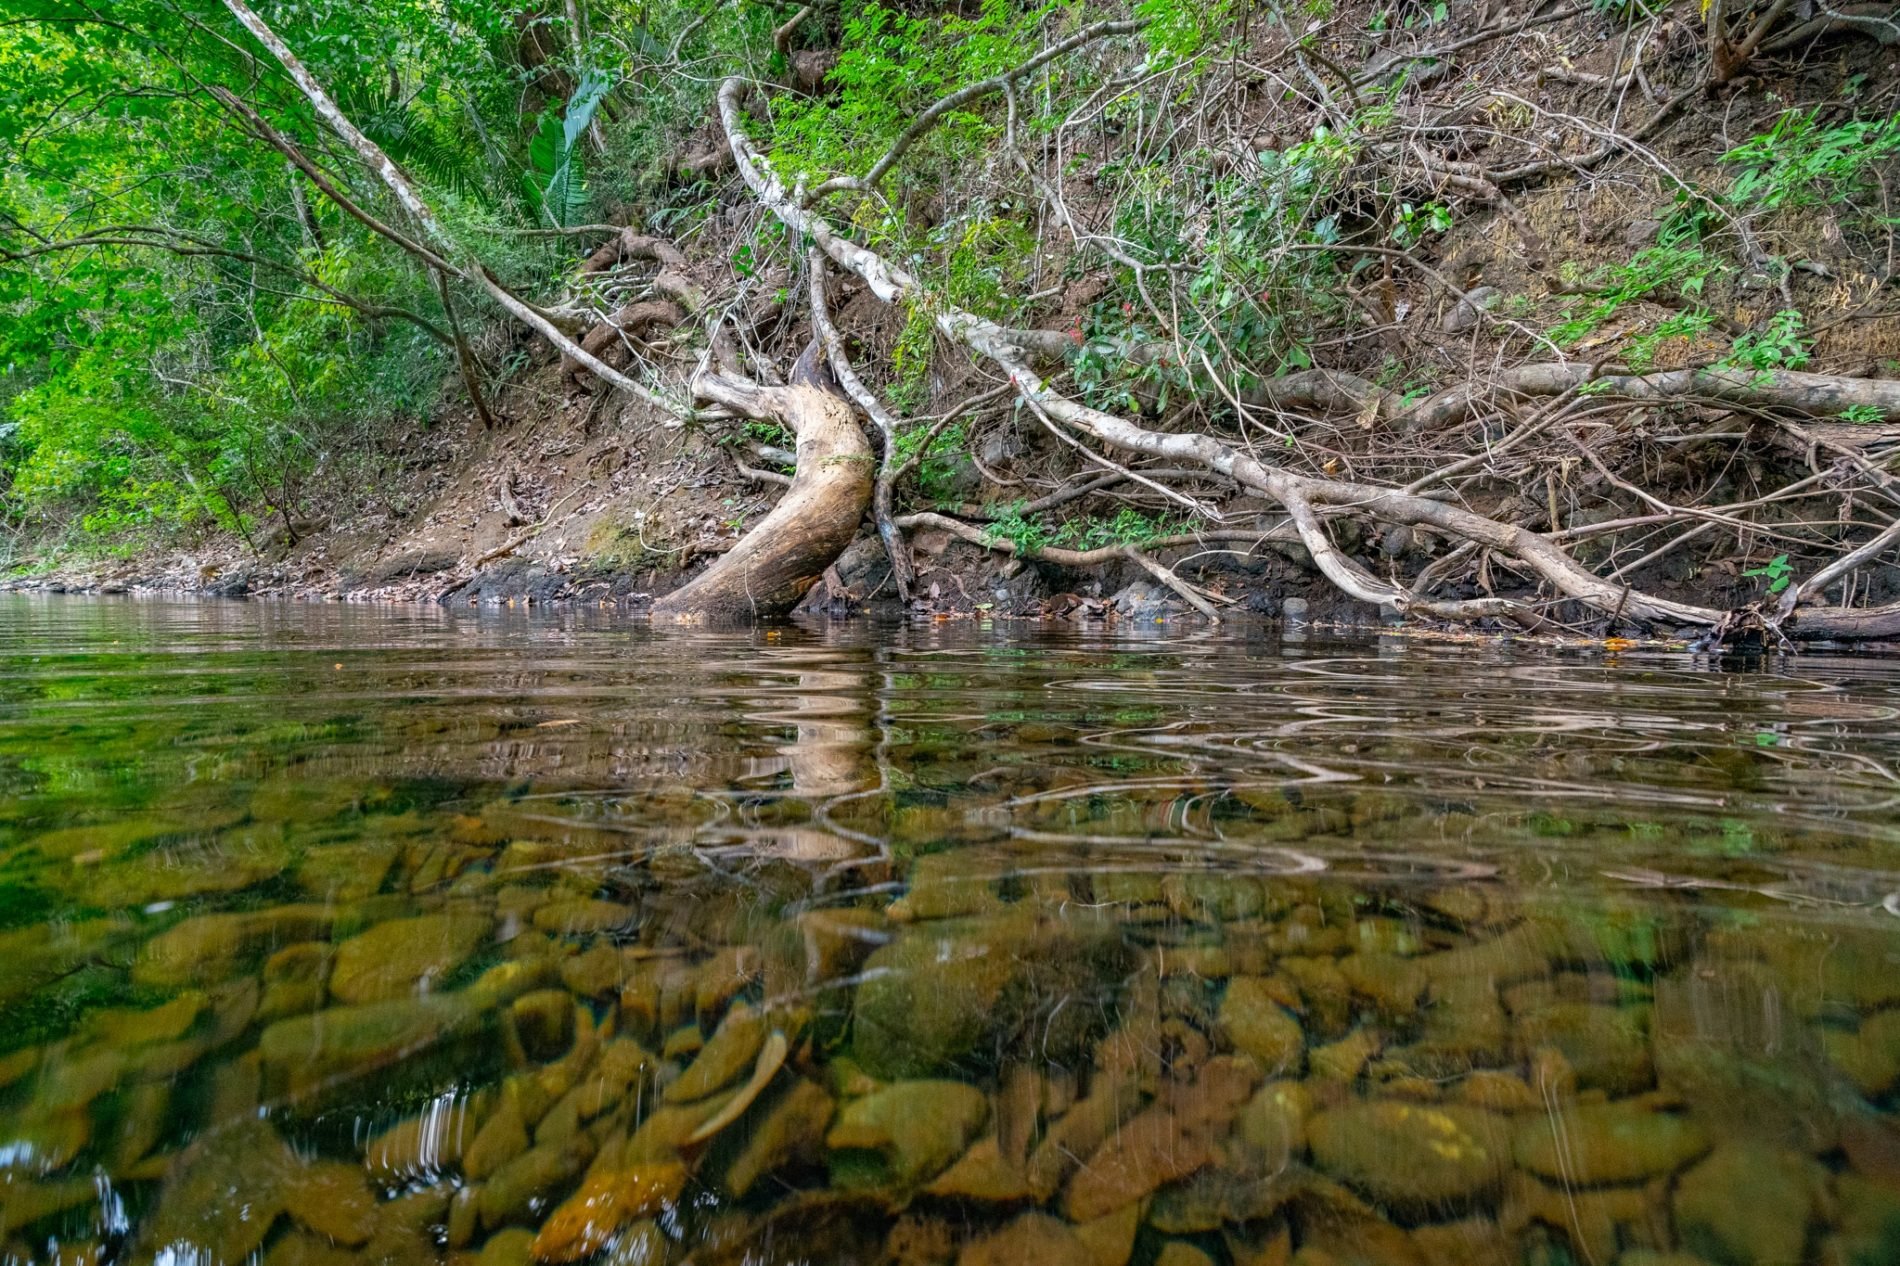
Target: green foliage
column 891, row 64
column 1678, row 270
column 911, row 358
column 145, row 393
column 1241, row 241
column 1775, row 571
column 1413, row 224
column 1800, row 162
column 1127, row 526
column 556, row 179
column 940, row 458
column 1178, row 30
column 1640, row 355
column 1027, row 535
column 1861, row 413
column 1779, row 345
column 1625, row 12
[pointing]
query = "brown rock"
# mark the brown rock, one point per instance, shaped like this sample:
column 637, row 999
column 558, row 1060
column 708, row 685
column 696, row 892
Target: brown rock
column 330, row 1199
column 1080, row 1131
column 1257, row 1025
column 503, row 1136
column 1110, row 1239
column 604, row 1204
column 1150, row 1151
column 1033, row 1238
column 1391, row 983
column 983, row 1174
column 1471, row 1242
column 1749, row 1204
column 904, row 1134
column 727, row 1056
column 1412, row 1156
column 582, row 917
column 225, row 1192
column 1620, row 1142
column 1182, row 1253
column 793, row 1129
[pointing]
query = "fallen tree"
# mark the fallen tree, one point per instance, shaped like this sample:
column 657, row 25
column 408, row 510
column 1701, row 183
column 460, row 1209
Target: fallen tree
column 1300, row 495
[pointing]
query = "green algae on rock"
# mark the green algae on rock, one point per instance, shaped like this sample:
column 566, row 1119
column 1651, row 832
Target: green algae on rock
column 1749, row 1204
column 905, row 1134
column 941, row 990
column 1412, row 1156
column 404, row 956
column 1623, row 1141
column 1255, row 1023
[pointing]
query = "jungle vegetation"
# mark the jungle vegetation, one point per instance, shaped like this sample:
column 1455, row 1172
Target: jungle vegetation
column 1489, row 311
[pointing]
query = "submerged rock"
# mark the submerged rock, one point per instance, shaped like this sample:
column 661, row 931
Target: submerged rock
column 984, row 1174
column 1409, row 1155
column 582, row 917
column 501, row 1138
column 1273, row 1124
column 1870, row 1056
column 521, row 1188
column 904, row 1134
column 944, row 990
column 793, row 1129
column 209, row 948
column 1748, row 1204
column 1597, row 1219
column 1034, row 1239
column 223, row 1195
column 1607, row 1046
column 331, row 1200
column 1171, row 1139
column 728, row 1055
column 1182, row 1253
column 1624, row 1141
column 309, row 1053
column 404, row 956
column 1257, row 1025
column 605, row 1204
column 1463, row 1026
column 1391, row 983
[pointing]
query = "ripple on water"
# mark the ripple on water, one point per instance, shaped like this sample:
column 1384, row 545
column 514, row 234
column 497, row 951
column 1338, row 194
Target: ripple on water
column 338, row 935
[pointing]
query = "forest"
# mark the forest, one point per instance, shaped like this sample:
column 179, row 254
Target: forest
column 1514, row 314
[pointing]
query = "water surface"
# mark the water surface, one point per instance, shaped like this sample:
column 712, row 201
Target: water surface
column 338, row 935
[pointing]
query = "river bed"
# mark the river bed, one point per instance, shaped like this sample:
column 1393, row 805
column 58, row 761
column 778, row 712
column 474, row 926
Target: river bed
column 338, row 935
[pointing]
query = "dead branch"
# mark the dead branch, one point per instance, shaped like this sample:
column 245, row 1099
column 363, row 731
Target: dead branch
column 1300, row 494
column 903, row 570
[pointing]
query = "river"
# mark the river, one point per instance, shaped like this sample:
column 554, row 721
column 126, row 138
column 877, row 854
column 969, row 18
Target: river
column 335, row 934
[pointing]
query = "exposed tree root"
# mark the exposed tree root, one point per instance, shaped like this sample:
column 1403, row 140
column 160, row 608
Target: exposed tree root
column 783, row 556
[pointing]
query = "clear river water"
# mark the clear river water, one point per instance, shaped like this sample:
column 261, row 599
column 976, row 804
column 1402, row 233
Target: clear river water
column 333, row 935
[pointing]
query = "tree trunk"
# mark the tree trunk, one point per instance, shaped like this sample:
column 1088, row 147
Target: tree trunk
column 779, row 560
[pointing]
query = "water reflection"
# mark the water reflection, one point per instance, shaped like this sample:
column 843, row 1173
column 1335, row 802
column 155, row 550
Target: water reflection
column 335, row 935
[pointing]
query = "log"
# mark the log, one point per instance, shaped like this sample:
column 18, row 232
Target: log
column 766, row 574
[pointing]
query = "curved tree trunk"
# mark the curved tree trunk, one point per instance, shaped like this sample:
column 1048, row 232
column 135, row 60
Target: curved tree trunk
column 779, row 560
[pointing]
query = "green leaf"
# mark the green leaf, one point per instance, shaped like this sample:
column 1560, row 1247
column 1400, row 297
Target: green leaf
column 556, row 182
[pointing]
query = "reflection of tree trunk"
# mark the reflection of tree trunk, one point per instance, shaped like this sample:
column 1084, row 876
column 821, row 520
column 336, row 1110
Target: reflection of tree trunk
column 831, row 754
